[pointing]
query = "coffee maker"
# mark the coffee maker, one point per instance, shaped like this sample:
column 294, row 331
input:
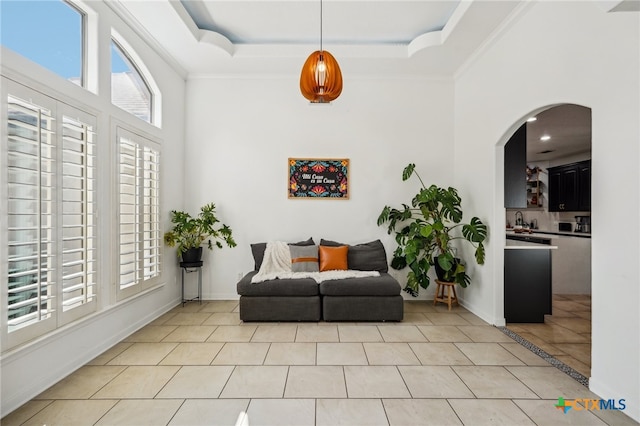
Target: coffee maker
column 583, row 224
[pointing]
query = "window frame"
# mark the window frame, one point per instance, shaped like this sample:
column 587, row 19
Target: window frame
column 59, row 317
column 155, row 103
column 87, row 20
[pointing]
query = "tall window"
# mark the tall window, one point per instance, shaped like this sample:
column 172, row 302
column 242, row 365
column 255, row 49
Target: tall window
column 50, row 239
column 138, row 212
column 129, row 90
column 49, row 33
column 51, row 195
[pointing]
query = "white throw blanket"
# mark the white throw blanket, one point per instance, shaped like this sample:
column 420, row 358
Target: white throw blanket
column 277, row 258
column 277, row 264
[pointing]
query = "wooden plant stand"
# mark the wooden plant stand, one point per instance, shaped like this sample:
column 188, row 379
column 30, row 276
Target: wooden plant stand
column 448, row 299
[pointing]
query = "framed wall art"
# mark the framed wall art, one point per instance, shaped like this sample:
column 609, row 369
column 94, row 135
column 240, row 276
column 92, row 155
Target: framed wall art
column 319, row 178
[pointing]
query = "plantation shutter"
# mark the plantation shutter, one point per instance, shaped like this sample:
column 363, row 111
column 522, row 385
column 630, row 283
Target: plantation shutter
column 31, row 212
column 78, row 205
column 138, row 213
column 50, row 193
column 151, row 236
column 128, row 168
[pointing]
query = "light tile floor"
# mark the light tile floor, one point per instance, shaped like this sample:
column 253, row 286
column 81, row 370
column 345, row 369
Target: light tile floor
column 200, row 365
column 566, row 334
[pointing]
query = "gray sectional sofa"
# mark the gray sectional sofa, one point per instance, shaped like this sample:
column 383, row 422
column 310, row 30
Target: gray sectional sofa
column 348, row 299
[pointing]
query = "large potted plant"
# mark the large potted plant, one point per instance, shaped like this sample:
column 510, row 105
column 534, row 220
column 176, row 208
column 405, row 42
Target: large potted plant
column 189, row 233
column 425, row 231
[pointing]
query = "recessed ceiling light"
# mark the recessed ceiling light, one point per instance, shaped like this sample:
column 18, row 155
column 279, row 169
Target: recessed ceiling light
column 545, row 138
column 530, row 119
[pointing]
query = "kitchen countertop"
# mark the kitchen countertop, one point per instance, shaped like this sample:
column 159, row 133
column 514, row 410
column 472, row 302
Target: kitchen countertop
column 541, row 233
column 533, row 241
column 532, row 247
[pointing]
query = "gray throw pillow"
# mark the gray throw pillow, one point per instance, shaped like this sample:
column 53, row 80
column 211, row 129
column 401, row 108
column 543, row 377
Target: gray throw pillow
column 258, row 249
column 308, row 242
column 369, row 256
column 330, row 243
column 304, row 258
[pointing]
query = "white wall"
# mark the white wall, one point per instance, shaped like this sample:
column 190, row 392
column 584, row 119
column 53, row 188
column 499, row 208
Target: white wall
column 30, row 369
column 565, row 52
column 240, row 133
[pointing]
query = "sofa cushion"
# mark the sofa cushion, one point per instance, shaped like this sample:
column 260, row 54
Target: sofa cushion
column 333, row 258
column 288, row 287
column 384, row 285
column 362, row 308
column 304, row 258
column 369, row 256
column 257, row 249
column 280, row 308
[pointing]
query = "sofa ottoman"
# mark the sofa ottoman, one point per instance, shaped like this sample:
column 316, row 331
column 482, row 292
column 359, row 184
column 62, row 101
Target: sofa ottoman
column 362, row 299
column 279, row 300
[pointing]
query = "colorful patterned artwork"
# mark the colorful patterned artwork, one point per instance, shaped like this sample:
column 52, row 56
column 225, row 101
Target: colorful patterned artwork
column 319, row 178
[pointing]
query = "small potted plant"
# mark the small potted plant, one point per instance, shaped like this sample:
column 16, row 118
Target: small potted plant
column 189, row 233
column 424, row 232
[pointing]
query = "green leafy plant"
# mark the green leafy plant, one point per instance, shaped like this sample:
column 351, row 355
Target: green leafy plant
column 425, row 230
column 191, row 232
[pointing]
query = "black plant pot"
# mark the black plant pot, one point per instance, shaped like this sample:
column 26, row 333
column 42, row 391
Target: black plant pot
column 192, row 255
column 446, row 276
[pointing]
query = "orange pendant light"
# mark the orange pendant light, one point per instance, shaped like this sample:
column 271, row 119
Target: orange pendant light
column 321, row 79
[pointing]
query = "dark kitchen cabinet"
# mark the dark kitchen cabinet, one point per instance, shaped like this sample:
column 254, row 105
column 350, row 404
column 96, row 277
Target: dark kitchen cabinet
column 584, row 186
column 515, row 164
column 527, row 285
column 570, row 187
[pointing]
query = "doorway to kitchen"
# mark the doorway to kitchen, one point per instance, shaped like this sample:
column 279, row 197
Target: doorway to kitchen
column 548, row 234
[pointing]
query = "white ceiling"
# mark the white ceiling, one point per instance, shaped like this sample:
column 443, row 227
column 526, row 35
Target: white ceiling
column 423, row 37
column 367, row 37
column 298, row 21
column 569, row 127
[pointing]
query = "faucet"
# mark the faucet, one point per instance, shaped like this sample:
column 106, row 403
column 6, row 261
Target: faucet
column 519, row 220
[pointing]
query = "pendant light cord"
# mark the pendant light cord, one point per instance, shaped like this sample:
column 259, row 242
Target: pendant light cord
column 320, row 26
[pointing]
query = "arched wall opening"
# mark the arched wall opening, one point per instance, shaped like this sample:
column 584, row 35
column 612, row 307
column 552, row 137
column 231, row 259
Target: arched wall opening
column 546, row 288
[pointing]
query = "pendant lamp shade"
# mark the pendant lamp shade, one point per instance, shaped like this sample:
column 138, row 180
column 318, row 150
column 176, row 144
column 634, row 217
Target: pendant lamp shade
column 321, row 79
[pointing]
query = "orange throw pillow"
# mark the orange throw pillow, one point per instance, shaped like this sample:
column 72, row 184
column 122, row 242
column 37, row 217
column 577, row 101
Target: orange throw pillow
column 333, row 258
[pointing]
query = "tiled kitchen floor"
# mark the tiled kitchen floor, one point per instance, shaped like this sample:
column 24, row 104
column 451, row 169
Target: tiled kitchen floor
column 200, row 365
column 566, row 334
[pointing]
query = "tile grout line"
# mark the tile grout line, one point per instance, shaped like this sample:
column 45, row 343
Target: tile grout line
column 574, row 374
column 184, row 401
column 463, row 382
column 451, row 406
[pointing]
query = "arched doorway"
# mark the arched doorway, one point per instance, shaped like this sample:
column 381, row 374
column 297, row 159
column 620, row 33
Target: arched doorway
column 547, row 208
